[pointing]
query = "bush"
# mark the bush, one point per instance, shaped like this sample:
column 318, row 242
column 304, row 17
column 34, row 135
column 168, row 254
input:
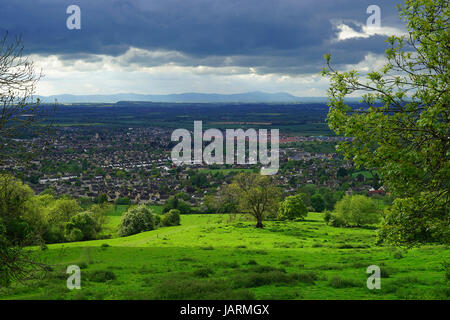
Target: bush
column 177, row 202
column 203, row 272
column 74, row 235
column 358, row 210
column 84, row 223
column 317, row 202
column 327, row 217
column 338, row 283
column 337, row 221
column 412, row 221
column 136, row 220
column 101, row 275
column 292, row 207
column 171, row 218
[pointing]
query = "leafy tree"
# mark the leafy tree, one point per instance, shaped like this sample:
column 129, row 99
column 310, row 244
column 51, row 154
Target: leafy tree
column 171, row 218
column 257, row 195
column 14, row 200
column 410, row 220
column 17, row 229
column 223, row 202
column 99, row 212
column 292, row 207
column 58, row 213
column 403, row 132
column 83, row 222
column 136, row 220
column 176, row 202
column 358, row 210
column 317, row 202
column 199, row 180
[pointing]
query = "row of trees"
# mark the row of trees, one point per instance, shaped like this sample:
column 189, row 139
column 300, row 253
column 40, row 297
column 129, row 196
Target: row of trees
column 257, row 196
column 31, row 219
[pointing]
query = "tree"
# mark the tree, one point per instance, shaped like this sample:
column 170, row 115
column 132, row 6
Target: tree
column 136, row 220
column 317, row 202
column 58, row 213
column 17, row 229
column 358, row 210
column 403, row 130
column 292, row 207
column 18, row 81
column 81, row 227
column 177, row 202
column 256, row 194
column 407, row 222
column 18, row 111
column 171, row 218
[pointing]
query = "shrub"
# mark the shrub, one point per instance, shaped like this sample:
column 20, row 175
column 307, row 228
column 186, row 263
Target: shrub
column 327, row 217
column 358, row 210
column 171, row 218
column 292, row 207
column 136, row 220
column 84, row 223
column 101, row 276
column 176, row 289
column 158, row 219
column 203, row 272
column 177, row 202
column 338, row 283
column 337, row 221
column 74, row 235
column 306, row 277
column 412, row 221
column 317, row 202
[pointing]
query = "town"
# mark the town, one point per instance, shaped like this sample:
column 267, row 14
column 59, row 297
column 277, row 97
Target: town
column 133, row 165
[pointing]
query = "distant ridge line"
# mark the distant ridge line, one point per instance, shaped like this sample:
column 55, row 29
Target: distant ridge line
column 190, row 97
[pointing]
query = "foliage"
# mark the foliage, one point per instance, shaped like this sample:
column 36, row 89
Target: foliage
column 412, row 220
column 358, row 210
column 292, row 207
column 85, row 224
column 256, row 195
column 404, row 131
column 177, row 202
column 136, row 220
column 171, row 218
column 327, row 217
column 317, row 203
column 57, row 214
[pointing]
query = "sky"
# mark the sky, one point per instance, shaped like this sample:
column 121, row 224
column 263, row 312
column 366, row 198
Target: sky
column 208, row 46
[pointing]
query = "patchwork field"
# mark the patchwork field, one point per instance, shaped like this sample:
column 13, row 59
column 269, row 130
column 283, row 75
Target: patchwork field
column 225, row 257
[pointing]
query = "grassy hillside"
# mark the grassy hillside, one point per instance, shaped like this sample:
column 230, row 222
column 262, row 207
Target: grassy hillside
column 225, row 257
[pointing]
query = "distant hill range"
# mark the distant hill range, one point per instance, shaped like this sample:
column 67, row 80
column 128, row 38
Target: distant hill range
column 256, row 96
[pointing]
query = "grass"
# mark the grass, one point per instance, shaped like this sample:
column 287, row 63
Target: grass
column 215, row 257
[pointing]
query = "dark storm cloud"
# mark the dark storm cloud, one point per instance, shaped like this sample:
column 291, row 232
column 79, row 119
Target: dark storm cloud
column 287, row 36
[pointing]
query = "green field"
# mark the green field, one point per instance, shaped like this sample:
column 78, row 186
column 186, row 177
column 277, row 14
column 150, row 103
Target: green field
column 226, row 257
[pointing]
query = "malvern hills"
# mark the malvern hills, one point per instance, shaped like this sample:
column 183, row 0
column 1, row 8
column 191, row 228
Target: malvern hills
column 256, row 96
